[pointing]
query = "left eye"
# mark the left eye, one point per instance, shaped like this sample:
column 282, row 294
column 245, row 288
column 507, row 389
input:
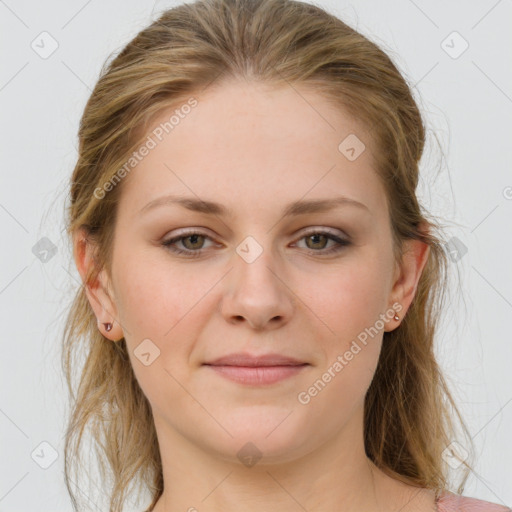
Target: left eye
column 322, row 238
column 194, row 241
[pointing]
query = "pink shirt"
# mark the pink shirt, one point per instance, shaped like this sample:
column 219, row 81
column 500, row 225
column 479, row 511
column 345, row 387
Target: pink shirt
column 450, row 502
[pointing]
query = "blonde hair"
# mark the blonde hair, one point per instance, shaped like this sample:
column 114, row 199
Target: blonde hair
column 408, row 408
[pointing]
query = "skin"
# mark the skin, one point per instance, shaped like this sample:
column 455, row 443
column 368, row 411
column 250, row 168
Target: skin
column 255, row 148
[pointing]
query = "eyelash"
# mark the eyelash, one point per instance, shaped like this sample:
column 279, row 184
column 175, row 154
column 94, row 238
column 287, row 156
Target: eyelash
column 342, row 243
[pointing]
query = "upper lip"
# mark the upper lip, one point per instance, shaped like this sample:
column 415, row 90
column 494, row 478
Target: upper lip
column 243, row 359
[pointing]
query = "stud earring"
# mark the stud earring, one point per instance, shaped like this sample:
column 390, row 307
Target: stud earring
column 108, row 326
column 396, row 317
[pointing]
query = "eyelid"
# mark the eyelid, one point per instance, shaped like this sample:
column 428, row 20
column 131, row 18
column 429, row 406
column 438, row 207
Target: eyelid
column 190, row 231
column 322, row 229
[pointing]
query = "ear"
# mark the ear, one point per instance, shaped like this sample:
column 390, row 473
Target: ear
column 408, row 273
column 97, row 286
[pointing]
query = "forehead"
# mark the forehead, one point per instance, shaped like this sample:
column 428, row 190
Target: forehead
column 253, row 146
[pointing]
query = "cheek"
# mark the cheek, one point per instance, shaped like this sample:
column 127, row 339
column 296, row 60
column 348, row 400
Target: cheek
column 168, row 305
column 154, row 296
column 349, row 298
column 160, row 303
column 349, row 303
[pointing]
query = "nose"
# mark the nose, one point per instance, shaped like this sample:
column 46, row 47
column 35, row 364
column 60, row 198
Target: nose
column 257, row 293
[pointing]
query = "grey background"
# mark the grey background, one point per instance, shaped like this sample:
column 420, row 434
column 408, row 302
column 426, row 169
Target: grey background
column 466, row 179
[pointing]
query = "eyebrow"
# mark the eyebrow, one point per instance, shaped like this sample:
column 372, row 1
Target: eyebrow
column 299, row 207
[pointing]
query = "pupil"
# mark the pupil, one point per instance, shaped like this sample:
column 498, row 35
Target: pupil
column 194, row 238
column 315, row 238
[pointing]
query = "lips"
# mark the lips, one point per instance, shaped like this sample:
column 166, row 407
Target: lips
column 260, row 370
column 247, row 360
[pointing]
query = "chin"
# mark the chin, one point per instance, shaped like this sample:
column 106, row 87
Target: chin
column 264, row 439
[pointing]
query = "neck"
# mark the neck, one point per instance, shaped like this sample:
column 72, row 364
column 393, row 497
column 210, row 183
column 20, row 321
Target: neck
column 336, row 476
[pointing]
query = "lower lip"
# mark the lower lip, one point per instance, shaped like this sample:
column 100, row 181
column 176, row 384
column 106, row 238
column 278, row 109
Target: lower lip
column 258, row 375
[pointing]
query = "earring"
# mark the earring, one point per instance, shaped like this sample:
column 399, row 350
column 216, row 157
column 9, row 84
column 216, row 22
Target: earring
column 108, row 327
column 396, row 317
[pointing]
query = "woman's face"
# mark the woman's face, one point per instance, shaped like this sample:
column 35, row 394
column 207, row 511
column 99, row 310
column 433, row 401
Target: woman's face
column 261, row 271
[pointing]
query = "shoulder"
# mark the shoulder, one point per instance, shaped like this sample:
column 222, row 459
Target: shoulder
column 451, row 502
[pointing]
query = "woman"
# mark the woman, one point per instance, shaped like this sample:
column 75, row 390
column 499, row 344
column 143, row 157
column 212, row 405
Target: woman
column 261, row 286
